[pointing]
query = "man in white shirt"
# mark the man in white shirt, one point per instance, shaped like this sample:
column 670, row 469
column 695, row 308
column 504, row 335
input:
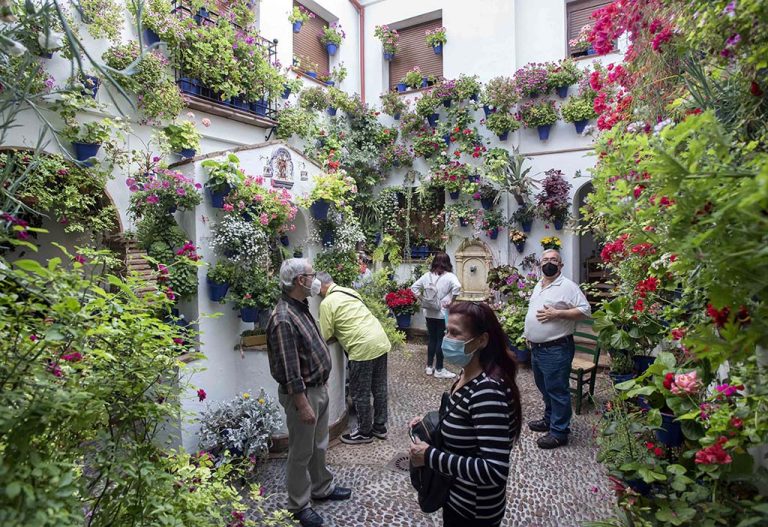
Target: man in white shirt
column 556, row 304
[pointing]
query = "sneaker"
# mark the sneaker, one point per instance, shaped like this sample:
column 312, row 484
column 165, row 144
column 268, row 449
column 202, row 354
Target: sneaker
column 444, row 374
column 429, row 370
column 380, row 434
column 356, row 438
column 548, row 442
column 539, row 426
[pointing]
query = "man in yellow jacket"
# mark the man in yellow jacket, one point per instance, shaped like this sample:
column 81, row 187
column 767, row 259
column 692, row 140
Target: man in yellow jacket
column 345, row 318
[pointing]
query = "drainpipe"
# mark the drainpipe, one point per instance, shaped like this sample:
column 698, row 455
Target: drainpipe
column 361, row 12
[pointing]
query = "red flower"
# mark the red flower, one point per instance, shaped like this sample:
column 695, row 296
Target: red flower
column 669, row 380
column 714, row 454
column 736, row 422
column 637, row 191
column 719, row 317
column 201, row 395
column 72, row 357
column 678, row 333
column 639, row 305
column 754, row 89
column 658, row 451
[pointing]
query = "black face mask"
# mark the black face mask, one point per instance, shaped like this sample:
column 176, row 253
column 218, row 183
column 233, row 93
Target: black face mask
column 549, row 269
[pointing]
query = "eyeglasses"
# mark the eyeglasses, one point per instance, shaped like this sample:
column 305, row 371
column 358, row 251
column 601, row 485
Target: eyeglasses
column 309, row 274
column 553, row 260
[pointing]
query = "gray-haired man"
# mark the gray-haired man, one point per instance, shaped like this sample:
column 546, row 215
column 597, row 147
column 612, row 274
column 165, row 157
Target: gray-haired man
column 300, row 362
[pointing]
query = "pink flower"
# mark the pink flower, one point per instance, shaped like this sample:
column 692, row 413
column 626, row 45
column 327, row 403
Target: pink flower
column 152, row 199
column 180, row 191
column 34, row 338
column 130, row 182
column 177, row 340
column 72, row 357
column 264, row 219
column 227, row 207
column 201, row 395
column 55, row 370
column 685, row 384
column 206, row 122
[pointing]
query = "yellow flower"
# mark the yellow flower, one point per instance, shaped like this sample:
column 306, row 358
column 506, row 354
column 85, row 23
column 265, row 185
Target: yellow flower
column 261, row 401
column 246, row 395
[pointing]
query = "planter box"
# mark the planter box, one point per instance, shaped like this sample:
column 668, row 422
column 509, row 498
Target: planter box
column 253, row 340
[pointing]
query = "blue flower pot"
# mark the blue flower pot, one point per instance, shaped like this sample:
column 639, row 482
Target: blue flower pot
column 217, row 197
column 150, row 37
column 331, row 111
column 558, row 224
column 216, row 291
column 642, row 363
column 424, row 82
column 401, row 87
column 591, row 51
column 447, row 139
column 432, row 119
column 259, row 107
column 544, row 131
column 670, row 433
column 438, row 49
column 285, row 241
column 240, row 103
column 504, row 136
column 580, row 125
column 403, row 320
column 618, row 378
column 250, row 314
column 487, row 203
column 188, row 85
column 186, row 153
column 85, row 151
column 454, row 194
column 377, row 239
column 297, row 26
column 201, row 16
column 493, row 233
column 639, row 486
column 474, row 178
column 487, row 110
column 396, row 117
column 46, row 54
column 521, row 354
column 520, row 247
column 92, row 89
column 331, row 49
column 319, row 209
column 473, row 97
column 463, row 222
column 330, row 83
column 526, row 225
column 328, row 238
column 312, row 74
column 286, row 92
column 562, row 91
column 388, row 56
column 447, row 103
column 172, row 209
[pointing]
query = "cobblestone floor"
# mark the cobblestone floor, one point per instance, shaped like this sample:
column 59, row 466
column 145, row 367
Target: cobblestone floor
column 556, row 488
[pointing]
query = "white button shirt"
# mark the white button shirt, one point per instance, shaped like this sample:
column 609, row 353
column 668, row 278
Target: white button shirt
column 560, row 294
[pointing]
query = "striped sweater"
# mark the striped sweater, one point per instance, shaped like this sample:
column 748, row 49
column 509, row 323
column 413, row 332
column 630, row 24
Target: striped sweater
column 477, row 440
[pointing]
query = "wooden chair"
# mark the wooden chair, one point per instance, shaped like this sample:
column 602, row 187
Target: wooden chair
column 583, row 370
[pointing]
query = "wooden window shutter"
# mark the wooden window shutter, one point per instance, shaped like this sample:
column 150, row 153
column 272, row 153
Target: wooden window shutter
column 413, row 51
column 580, row 14
column 307, row 46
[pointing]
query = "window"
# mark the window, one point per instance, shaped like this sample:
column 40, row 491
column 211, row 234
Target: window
column 307, row 46
column 579, row 15
column 413, row 51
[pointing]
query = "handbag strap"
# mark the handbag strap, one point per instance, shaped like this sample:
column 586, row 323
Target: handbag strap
column 348, row 294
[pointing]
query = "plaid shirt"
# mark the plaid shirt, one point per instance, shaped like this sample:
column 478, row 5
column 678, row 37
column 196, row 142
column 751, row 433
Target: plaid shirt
column 298, row 354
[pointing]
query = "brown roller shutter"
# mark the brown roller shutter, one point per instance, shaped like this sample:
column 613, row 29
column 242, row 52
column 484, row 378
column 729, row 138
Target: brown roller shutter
column 306, row 43
column 580, row 14
column 413, row 51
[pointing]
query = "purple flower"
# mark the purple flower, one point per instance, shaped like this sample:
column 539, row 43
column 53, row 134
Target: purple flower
column 130, row 182
column 730, row 9
column 180, row 191
column 152, row 199
column 79, row 258
column 733, row 40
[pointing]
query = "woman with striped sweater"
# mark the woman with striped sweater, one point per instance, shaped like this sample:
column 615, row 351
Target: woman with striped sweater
column 483, row 419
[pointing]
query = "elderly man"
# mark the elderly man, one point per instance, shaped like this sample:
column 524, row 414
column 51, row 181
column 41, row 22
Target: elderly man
column 300, row 362
column 345, row 317
column 555, row 306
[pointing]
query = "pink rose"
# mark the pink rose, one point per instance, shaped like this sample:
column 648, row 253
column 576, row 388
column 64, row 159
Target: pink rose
column 685, row 384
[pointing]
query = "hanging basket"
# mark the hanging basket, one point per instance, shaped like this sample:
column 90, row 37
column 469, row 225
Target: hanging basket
column 249, row 314
column 432, row 119
column 493, row 233
column 216, row 291
column 401, row 87
column 504, row 136
column 218, row 196
column 389, row 56
column 487, row 203
column 527, row 225
column 85, row 151
column 544, row 131
column 455, row 194
column 558, row 224
column 150, row 37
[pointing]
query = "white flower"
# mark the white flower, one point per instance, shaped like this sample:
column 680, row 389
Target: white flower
column 663, row 124
column 51, row 40
column 243, row 242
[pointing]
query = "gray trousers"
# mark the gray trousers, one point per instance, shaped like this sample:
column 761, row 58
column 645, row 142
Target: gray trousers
column 306, row 473
column 366, row 378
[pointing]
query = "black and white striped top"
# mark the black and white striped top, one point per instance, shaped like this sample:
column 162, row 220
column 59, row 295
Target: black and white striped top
column 477, row 440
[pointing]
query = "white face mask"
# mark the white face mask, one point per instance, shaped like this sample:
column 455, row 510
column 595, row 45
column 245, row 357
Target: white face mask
column 314, row 289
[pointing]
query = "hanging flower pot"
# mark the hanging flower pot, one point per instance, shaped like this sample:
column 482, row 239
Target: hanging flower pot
column 188, row 85
column 454, row 194
column 493, row 233
column 474, row 178
column 331, row 111
column 389, row 56
column 85, row 151
column 217, row 291
column 298, row 254
column 319, row 209
column 487, row 203
column 473, row 97
column 330, row 83
column 150, row 37
column 401, row 87
column 172, row 209
column 618, row 378
column 91, row 84
column 670, row 433
column 558, row 224
column 187, row 153
column 403, row 320
column 520, row 246
column 432, row 119
column 201, row 16
column 331, row 48
column 312, row 74
column 463, row 222
column 424, row 82
column 260, row 107
column 544, row 131
column 328, row 238
column 284, row 240
column 527, row 225
column 504, row 136
column 217, row 196
column 447, row 103
column 447, row 139
column 580, row 125
column 438, row 49
column 297, row 26
column 396, row 117
column 249, row 314
column 642, row 363
column 286, row 92
column 487, row 110
column 562, row 91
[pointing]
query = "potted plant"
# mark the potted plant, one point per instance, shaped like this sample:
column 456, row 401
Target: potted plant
column 487, row 194
column 291, row 86
column 562, row 74
column 338, row 74
column 489, row 221
column 459, row 215
column 551, row 242
column 252, row 293
column 314, row 99
column 426, row 143
column 580, row 45
column 578, row 110
column 501, row 123
column 518, row 238
column 251, row 338
column 426, row 107
column 524, row 216
column 403, row 304
column 337, row 99
column 87, row 138
column 466, row 87
column 332, row 37
column 330, row 189
column 396, row 156
column 218, row 279
column 183, row 138
column 412, row 78
column 445, row 91
column 499, row 93
column 540, row 115
column 389, row 40
column 532, row 80
column 392, row 104
column 162, row 191
column 436, row 39
column 298, row 16
column 507, row 170
column 223, row 176
column 390, row 251
column 553, row 203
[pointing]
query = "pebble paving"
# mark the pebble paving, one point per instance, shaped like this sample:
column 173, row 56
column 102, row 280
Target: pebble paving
column 554, row 488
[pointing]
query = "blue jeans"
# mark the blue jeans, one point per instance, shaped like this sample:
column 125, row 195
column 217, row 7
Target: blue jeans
column 551, row 371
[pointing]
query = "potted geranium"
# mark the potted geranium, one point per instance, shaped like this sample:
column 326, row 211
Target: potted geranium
column 551, row 242
column 524, row 215
column 162, row 190
column 87, row 138
column 298, row 16
column 183, row 138
column 499, row 94
column 389, row 40
column 426, row 143
column 426, row 107
column 518, row 238
column 332, row 36
column 392, row 104
column 396, row 156
column 219, row 278
column 254, row 292
column 560, row 75
column 540, row 115
column 578, row 110
column 223, row 176
column 403, row 304
column 532, row 80
column 489, row 221
column 459, row 214
column 330, row 189
column 552, row 202
column 412, row 79
column 501, row 123
column 580, row 45
column 436, row 39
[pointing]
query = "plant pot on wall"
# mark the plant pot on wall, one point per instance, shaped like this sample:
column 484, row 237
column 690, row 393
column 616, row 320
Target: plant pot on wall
column 85, row 151
column 396, row 117
column 670, row 433
column 438, row 48
column 401, row 87
column 558, row 224
column 312, row 74
column 297, row 26
column 487, row 110
column 285, row 240
column 217, row 196
column 454, row 194
column 216, row 291
column 432, row 119
column 187, row 153
column 424, row 82
column 286, row 92
column 319, row 209
column 189, row 85
column 544, row 131
column 526, row 225
column 328, row 238
column 150, row 37
column 250, row 314
column 331, row 48
column 389, row 56
column 580, row 125
column 520, row 246
column 201, row 16
column 504, row 136
column 259, row 107
column 493, row 233
column 487, row 203
column 562, row 91
column 331, row 111
column 91, row 84
column 403, row 320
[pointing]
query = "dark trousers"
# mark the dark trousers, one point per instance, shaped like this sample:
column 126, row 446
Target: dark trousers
column 552, row 370
column 435, row 332
column 366, row 378
column 452, row 519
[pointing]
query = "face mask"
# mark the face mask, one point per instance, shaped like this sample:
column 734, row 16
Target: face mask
column 549, row 269
column 454, row 351
column 314, row 289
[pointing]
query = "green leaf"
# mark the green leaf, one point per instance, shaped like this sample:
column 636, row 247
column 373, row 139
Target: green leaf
column 31, row 266
column 13, row 489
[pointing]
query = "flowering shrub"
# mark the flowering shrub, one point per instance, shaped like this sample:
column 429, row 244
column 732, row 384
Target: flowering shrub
column 453, row 175
column 435, row 37
column 500, row 93
column 270, row 208
column 243, row 242
column 332, row 34
column 551, row 242
column 553, row 203
column 516, row 236
column 162, row 190
column 402, row 302
column 532, row 80
column 413, row 77
column 389, row 38
column 562, row 73
column 533, row 114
